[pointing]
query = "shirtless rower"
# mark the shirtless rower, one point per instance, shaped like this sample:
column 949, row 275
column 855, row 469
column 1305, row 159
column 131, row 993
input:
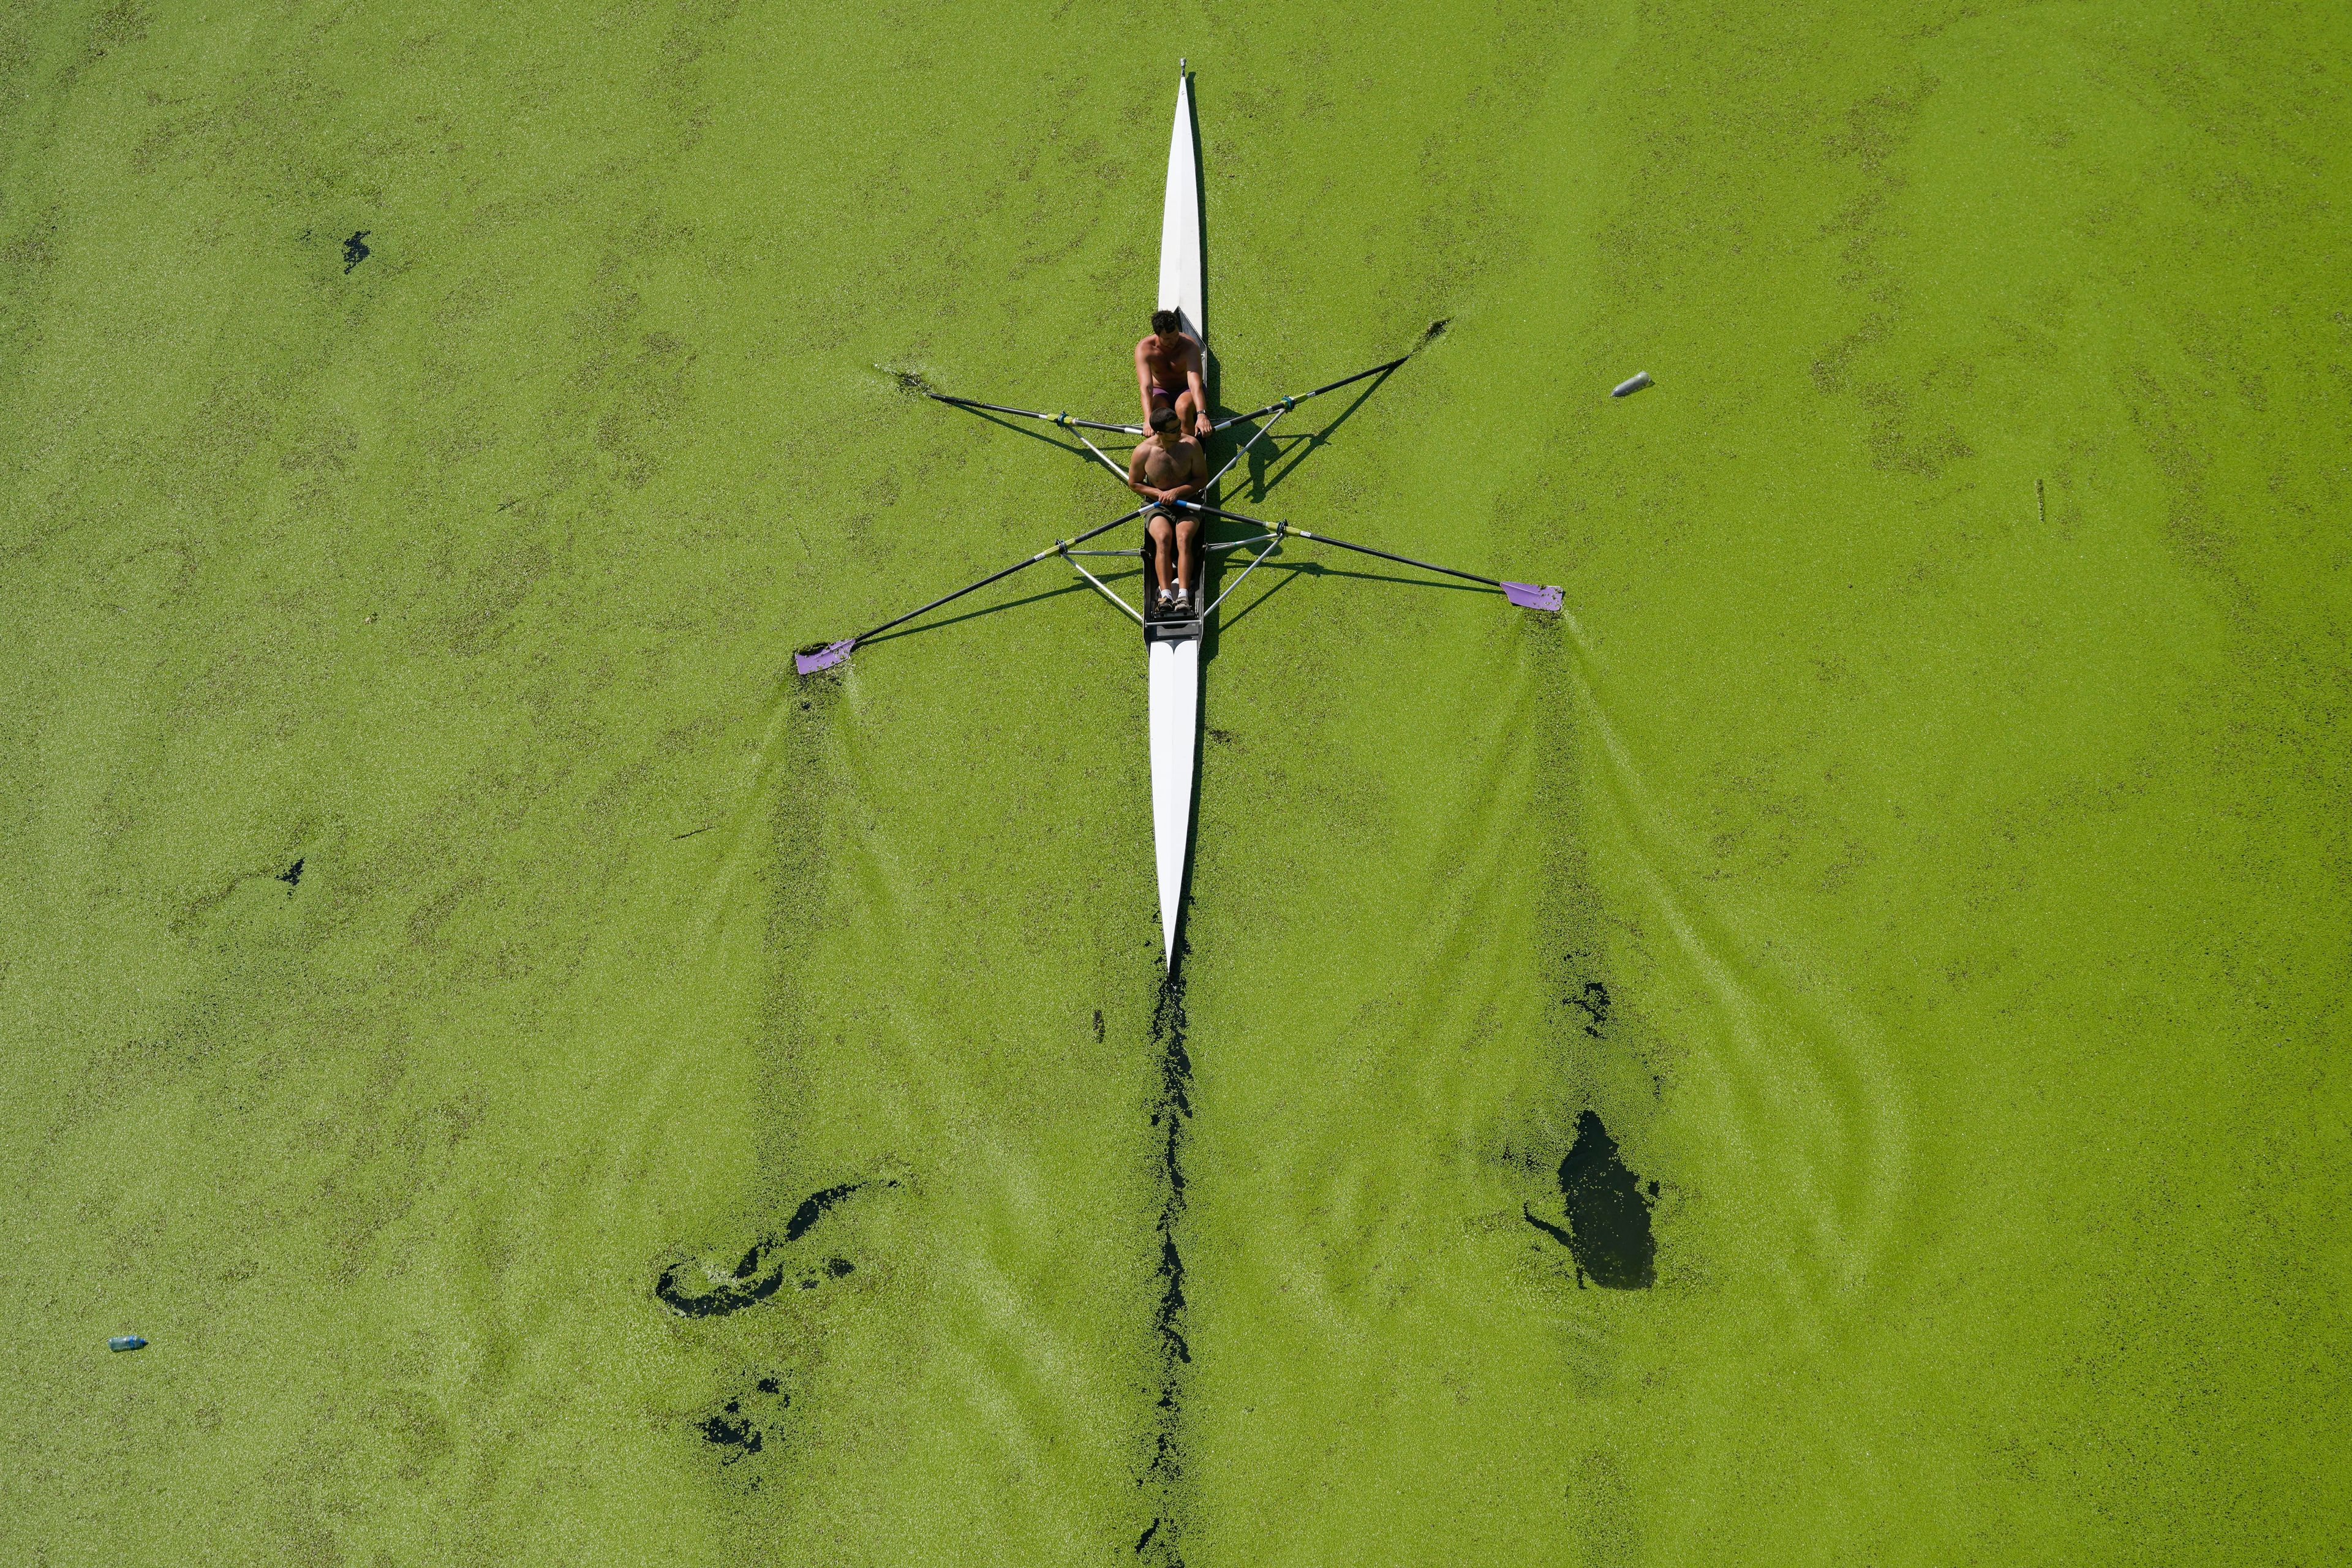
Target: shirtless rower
column 1168, row 373
column 1169, row 466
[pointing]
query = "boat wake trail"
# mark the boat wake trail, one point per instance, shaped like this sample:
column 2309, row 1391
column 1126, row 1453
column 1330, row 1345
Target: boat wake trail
column 1805, row 1105
column 1163, row 1471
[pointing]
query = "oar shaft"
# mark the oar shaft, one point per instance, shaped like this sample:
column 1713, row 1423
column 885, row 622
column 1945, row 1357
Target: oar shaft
column 1032, row 414
column 1359, row 375
column 1390, row 555
column 1055, row 549
column 1098, row 451
column 1106, row 592
column 1286, row 403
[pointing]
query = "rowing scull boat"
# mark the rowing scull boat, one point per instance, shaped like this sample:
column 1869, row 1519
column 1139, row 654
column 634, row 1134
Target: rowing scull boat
column 1172, row 647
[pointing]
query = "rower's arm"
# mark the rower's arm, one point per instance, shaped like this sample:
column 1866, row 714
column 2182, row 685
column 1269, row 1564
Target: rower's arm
column 1135, row 476
column 1143, row 381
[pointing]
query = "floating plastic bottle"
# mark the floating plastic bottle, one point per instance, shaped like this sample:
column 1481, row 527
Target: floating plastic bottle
column 1632, row 385
column 125, row 1342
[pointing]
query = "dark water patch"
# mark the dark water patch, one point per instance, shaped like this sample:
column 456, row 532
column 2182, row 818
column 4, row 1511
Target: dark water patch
column 1172, row 1302
column 908, row 382
column 292, row 875
column 813, row 1208
column 1608, row 1232
column 761, row 1274
column 355, row 250
column 1431, row 333
column 738, row 1434
column 1170, row 1116
column 1099, row 1027
column 1593, row 1002
column 1175, row 1064
column 741, row 1425
column 717, row 1302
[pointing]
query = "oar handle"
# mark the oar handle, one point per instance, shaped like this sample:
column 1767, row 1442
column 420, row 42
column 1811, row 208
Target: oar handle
column 1207, row 510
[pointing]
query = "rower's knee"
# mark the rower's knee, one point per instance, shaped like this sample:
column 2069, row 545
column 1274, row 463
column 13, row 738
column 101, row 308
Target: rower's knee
column 1158, row 528
column 1187, row 529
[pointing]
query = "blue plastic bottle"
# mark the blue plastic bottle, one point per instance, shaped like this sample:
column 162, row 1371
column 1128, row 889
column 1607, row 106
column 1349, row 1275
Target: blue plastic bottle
column 124, row 1342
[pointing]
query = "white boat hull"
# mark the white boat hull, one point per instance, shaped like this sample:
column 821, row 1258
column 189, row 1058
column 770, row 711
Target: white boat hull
column 1175, row 662
column 1180, row 284
column 1175, row 729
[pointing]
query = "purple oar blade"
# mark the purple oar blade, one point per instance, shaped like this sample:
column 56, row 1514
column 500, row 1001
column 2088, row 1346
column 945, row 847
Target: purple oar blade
column 1531, row 596
column 828, row 655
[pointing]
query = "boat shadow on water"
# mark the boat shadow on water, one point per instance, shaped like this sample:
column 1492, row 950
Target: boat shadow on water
column 1277, row 455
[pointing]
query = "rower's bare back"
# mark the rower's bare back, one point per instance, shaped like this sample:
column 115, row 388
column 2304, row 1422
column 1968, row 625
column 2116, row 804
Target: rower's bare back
column 1168, row 368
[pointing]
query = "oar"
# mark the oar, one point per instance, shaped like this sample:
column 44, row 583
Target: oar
column 831, row 654
column 1287, row 404
column 1526, row 595
column 1117, row 471
column 1207, row 510
column 1061, row 419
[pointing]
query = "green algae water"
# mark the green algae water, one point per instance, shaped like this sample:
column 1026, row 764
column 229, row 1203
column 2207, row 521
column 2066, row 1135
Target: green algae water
column 1828, row 1051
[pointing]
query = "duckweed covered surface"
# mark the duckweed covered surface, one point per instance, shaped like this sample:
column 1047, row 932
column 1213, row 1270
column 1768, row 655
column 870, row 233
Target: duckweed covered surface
column 1832, row 1050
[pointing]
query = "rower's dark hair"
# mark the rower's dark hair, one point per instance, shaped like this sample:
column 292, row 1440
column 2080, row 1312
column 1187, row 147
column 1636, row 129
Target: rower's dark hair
column 1163, row 420
column 1166, row 320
